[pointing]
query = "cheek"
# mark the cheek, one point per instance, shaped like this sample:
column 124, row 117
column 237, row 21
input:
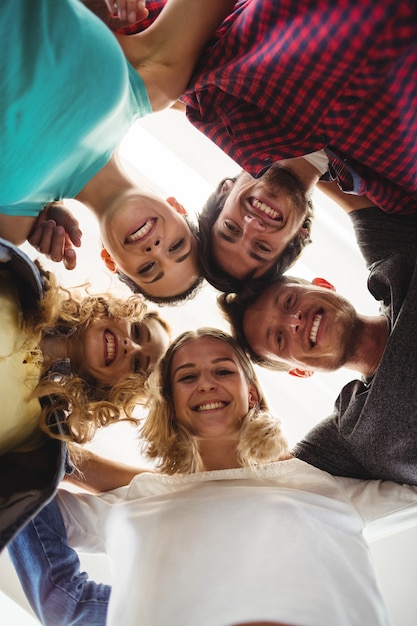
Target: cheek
column 178, row 399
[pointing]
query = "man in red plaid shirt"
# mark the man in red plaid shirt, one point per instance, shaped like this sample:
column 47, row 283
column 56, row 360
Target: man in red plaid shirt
column 282, row 79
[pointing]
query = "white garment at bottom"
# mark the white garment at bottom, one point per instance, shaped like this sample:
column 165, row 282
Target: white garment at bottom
column 279, row 542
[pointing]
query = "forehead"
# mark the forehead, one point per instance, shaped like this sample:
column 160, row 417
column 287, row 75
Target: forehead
column 203, row 349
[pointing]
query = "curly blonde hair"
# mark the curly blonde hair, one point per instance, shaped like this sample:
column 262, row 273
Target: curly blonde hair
column 171, row 444
column 85, row 404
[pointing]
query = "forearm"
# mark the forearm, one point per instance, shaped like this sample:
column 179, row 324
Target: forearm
column 98, row 474
column 165, row 54
column 347, row 201
column 16, row 228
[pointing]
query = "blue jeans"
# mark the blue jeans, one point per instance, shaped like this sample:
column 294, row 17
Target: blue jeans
column 49, row 572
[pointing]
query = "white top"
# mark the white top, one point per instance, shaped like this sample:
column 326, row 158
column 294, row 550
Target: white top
column 280, row 542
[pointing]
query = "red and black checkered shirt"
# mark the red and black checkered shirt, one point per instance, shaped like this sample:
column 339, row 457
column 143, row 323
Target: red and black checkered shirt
column 283, row 78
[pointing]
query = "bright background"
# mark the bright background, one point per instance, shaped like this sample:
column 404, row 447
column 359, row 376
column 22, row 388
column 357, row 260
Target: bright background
column 173, row 158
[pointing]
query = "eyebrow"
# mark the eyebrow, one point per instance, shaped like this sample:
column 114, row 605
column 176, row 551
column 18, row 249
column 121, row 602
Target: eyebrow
column 218, row 360
column 157, row 277
column 252, row 254
column 183, row 257
column 269, row 330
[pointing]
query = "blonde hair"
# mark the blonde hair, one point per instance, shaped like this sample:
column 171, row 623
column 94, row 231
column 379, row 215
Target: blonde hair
column 172, row 445
column 85, row 404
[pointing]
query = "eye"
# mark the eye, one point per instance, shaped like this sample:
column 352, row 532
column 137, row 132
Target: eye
column 232, row 228
column 146, row 269
column 279, row 339
column 263, row 248
column 177, row 246
column 187, row 378
column 136, row 332
column 289, row 301
column 224, row 372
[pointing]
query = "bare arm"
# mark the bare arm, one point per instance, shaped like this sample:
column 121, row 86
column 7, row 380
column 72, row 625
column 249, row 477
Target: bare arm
column 16, row 228
column 347, row 201
column 165, row 54
column 97, row 474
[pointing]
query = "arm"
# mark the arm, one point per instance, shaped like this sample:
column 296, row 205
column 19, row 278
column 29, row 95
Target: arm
column 97, row 474
column 347, row 201
column 49, row 571
column 165, row 54
column 53, row 232
column 385, row 506
column 16, row 228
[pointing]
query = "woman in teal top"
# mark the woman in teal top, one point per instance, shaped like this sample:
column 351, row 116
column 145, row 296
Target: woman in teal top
column 68, row 97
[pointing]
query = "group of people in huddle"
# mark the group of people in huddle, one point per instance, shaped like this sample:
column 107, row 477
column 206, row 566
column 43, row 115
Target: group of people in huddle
column 231, row 526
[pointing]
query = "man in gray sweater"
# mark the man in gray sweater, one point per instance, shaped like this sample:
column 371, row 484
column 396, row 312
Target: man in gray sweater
column 292, row 325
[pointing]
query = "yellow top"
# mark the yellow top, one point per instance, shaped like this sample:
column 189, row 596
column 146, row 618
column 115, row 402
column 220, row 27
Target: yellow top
column 20, row 370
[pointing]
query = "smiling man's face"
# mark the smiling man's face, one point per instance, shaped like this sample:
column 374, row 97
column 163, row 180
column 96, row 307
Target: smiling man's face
column 259, row 219
column 302, row 326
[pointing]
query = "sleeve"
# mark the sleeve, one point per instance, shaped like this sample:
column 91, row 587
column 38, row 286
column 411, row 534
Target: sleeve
column 325, row 448
column 85, row 517
column 386, row 507
column 380, row 235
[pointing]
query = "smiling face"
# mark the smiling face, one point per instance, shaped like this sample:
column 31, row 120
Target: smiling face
column 259, row 218
column 210, row 392
column 150, row 242
column 109, row 350
column 301, row 325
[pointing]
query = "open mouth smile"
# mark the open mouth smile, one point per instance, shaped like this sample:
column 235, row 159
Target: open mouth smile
column 315, row 327
column 209, row 406
column 142, row 232
column 110, row 347
column 265, row 209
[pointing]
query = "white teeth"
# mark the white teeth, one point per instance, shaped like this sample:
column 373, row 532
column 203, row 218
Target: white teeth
column 315, row 327
column 210, row 406
column 141, row 232
column 110, row 346
column 265, row 208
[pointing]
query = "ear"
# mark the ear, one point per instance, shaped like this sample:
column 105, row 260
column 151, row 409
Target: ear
column 253, row 395
column 227, row 185
column 299, row 373
column 177, row 205
column 108, row 261
column 322, row 282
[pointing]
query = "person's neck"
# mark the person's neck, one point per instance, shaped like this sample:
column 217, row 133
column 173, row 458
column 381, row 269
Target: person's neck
column 54, row 348
column 306, row 172
column 105, row 187
column 371, row 339
column 218, row 453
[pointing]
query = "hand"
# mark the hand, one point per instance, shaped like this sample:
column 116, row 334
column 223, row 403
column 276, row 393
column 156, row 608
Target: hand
column 55, row 233
column 130, row 10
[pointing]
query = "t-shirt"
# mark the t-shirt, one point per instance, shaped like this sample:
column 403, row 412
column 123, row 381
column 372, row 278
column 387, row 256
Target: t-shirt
column 68, row 96
column 371, row 432
column 277, row 542
column 19, row 374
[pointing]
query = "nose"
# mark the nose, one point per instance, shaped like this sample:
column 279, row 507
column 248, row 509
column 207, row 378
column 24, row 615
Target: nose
column 251, row 223
column 152, row 245
column 206, row 382
column 129, row 347
column 295, row 321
